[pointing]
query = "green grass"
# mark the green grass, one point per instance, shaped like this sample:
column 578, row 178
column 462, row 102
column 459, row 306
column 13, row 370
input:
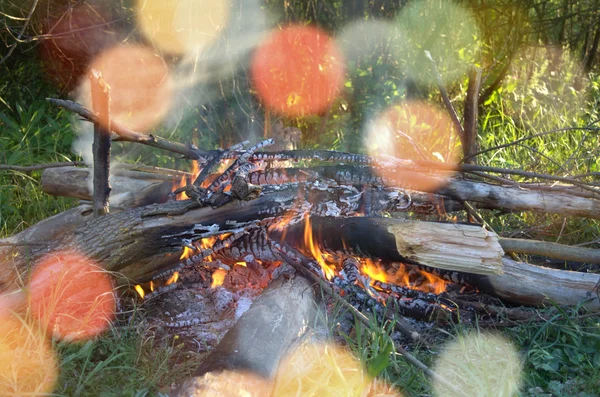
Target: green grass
column 125, row 361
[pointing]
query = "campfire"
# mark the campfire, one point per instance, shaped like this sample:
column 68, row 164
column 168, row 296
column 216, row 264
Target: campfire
column 247, row 241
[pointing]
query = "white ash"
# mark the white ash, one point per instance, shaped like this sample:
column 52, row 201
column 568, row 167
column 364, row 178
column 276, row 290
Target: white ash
column 243, row 304
column 222, row 299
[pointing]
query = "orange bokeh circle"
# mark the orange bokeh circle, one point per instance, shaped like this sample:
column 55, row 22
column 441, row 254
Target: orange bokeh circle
column 424, row 136
column 71, row 296
column 298, row 70
column 140, row 85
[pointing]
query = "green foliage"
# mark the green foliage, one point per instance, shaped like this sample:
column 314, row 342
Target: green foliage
column 562, row 356
column 31, row 132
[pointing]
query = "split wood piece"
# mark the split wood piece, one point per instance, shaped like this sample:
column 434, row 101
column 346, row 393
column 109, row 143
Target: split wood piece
column 519, row 282
column 127, row 191
column 257, row 342
column 101, row 146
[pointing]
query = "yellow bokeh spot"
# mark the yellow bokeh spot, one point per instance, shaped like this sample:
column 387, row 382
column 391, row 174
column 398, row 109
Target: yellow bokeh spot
column 479, row 364
column 27, row 363
column 315, row 370
column 182, row 26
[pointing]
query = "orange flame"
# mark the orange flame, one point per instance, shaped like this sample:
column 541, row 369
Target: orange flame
column 140, row 291
column 217, row 278
column 152, row 286
column 315, row 250
column 374, row 271
column 195, row 171
column 173, row 278
column 186, row 253
column 177, row 185
column 434, row 284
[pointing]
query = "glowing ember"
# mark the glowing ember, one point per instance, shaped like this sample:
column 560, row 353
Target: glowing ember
column 217, row 278
column 316, row 251
column 241, row 264
column 140, row 291
column 173, row 278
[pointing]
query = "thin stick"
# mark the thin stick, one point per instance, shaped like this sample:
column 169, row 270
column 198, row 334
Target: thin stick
column 586, row 128
column 27, row 21
column 30, row 168
column 459, row 128
column 128, row 135
column 529, row 174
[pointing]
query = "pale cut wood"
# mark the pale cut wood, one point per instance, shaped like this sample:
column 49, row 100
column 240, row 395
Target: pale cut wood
column 277, row 319
column 450, row 246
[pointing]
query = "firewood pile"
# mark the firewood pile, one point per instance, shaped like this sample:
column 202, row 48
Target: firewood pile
column 203, row 245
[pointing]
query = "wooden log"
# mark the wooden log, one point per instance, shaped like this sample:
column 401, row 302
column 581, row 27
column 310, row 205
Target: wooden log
column 450, row 246
column 277, row 319
column 142, row 242
column 512, row 198
column 551, row 250
column 519, row 282
column 127, row 191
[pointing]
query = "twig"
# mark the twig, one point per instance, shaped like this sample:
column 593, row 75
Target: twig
column 25, row 25
column 363, row 319
column 30, row 168
column 586, row 128
column 471, row 167
column 128, row 135
column 471, row 111
column 446, row 99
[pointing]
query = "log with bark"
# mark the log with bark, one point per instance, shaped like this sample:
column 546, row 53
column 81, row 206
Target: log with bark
column 139, row 243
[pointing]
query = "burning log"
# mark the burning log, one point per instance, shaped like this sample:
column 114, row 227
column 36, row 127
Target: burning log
column 143, row 242
column 277, row 319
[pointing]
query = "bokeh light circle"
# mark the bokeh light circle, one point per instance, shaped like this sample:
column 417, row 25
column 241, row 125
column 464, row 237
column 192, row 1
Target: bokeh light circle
column 325, row 370
column 420, row 133
column 182, row 26
column 140, row 85
column 71, row 296
column 479, row 364
column 298, row 70
column 28, row 365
